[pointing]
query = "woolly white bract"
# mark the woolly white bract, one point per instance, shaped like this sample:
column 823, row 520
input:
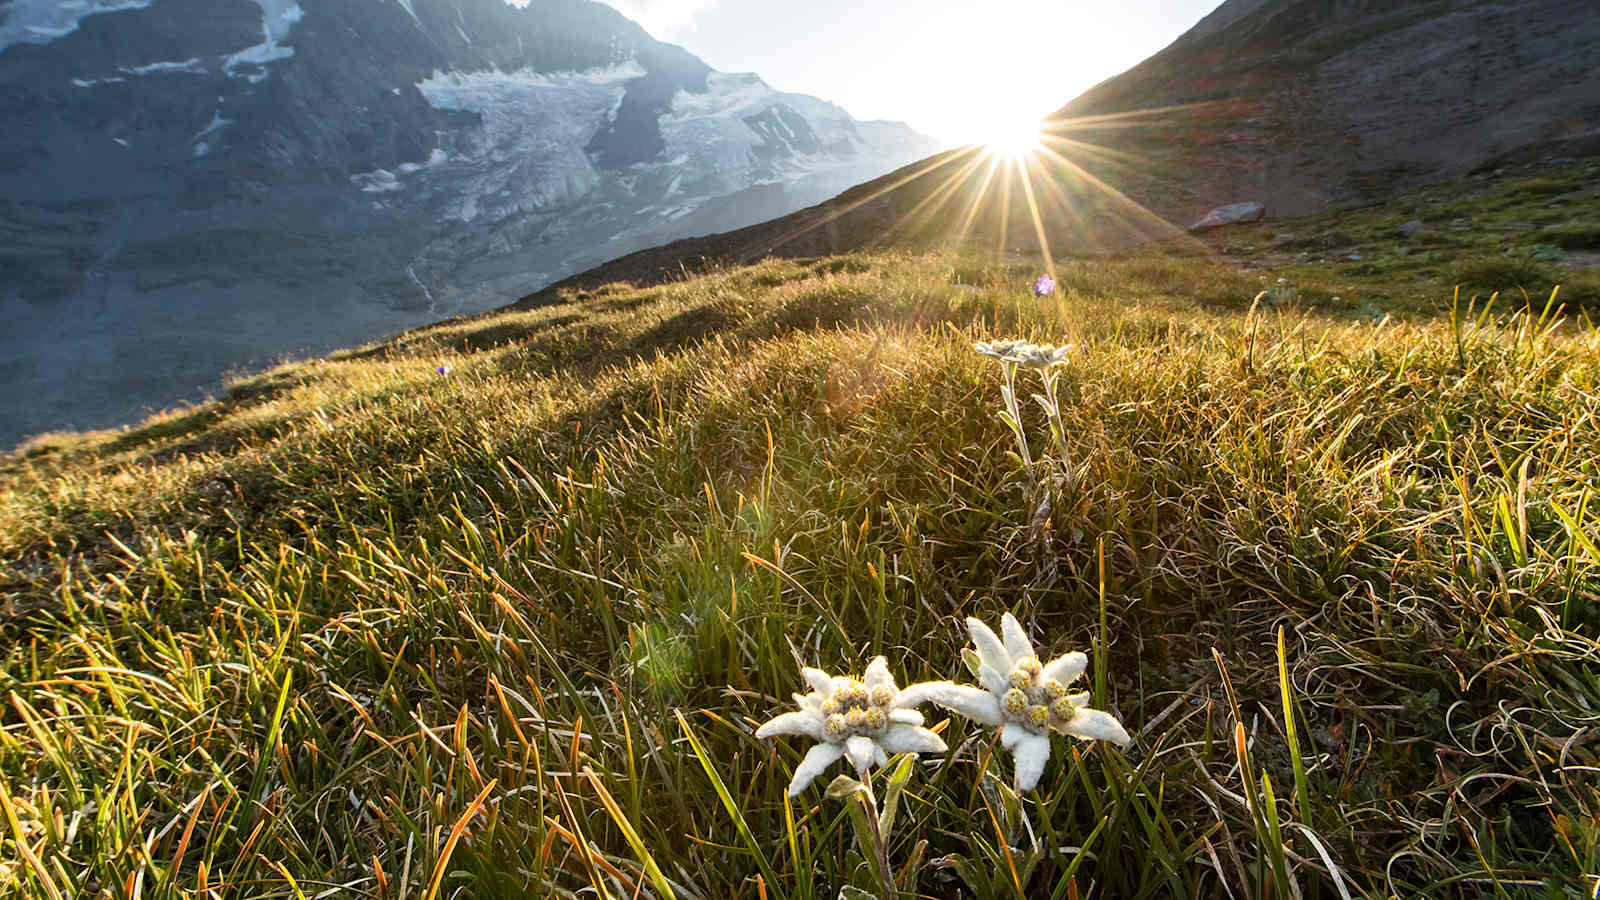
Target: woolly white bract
column 1026, row 698
column 864, row 720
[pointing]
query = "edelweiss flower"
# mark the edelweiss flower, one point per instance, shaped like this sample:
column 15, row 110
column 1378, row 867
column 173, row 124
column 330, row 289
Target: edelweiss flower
column 1022, row 353
column 1005, row 351
column 1043, row 356
column 1028, row 699
column 864, row 720
column 1044, row 286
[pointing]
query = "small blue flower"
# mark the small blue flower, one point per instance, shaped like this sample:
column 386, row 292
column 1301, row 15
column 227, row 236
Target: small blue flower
column 443, row 370
column 1044, row 287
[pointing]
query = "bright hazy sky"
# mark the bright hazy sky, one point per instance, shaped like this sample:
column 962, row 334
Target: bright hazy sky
column 959, row 70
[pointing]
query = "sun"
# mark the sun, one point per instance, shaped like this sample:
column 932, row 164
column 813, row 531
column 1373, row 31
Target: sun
column 1014, row 141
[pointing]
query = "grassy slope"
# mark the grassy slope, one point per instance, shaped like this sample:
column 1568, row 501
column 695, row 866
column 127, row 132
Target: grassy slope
column 284, row 642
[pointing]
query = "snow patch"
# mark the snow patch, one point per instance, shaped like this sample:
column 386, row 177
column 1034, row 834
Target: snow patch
column 411, row 270
column 43, row 21
column 191, row 66
column 378, row 181
column 203, row 139
column 278, row 18
column 217, row 124
column 187, row 67
column 383, row 181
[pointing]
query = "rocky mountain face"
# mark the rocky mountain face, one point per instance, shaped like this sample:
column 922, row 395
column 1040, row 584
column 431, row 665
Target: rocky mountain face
column 1304, row 105
column 188, row 186
column 1278, row 108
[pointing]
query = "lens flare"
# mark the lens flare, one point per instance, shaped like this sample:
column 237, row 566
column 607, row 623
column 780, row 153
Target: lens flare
column 1015, row 142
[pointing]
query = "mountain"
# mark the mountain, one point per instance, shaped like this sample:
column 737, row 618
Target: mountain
column 1304, row 106
column 194, row 185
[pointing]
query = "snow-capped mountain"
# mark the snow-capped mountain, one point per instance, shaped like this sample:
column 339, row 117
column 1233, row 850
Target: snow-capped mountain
column 188, row 186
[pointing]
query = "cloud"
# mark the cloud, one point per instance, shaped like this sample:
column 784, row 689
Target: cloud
column 662, row 18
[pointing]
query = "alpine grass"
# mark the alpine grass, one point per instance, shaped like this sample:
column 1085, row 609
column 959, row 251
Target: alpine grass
column 356, row 629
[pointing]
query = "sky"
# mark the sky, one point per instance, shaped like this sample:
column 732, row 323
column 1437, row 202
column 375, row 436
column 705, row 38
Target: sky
column 963, row 71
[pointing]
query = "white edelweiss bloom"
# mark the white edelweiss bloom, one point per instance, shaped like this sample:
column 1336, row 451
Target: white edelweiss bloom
column 1025, row 698
column 1019, row 352
column 1043, row 356
column 1006, row 351
column 862, row 719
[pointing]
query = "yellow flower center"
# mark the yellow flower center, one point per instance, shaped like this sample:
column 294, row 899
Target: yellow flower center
column 855, row 709
column 1035, row 700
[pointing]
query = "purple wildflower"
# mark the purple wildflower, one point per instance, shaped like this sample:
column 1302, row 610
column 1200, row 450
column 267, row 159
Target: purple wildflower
column 1044, row 287
column 443, row 370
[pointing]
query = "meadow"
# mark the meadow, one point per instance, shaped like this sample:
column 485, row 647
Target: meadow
column 494, row 608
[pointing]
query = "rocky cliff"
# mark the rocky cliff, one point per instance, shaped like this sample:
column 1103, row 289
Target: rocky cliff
column 192, row 185
column 1304, row 105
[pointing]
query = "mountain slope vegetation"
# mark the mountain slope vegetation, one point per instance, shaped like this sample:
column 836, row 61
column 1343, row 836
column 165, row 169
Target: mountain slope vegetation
column 493, row 608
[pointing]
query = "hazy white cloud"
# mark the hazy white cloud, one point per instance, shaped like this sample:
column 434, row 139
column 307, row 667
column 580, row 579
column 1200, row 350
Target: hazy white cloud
column 662, row 18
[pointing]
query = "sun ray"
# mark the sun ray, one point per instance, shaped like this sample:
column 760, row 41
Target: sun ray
column 1163, row 228
column 931, row 204
column 1122, row 160
column 1132, row 117
column 1038, row 220
column 836, row 213
column 977, row 200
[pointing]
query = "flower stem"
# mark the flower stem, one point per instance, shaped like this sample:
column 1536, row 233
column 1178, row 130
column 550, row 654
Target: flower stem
column 1057, row 427
column 1010, row 391
column 880, row 843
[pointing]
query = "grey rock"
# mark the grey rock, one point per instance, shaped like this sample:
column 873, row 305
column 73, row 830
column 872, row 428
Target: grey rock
column 1231, row 214
column 1413, row 228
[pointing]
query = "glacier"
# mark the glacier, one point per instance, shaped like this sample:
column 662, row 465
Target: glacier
column 43, row 21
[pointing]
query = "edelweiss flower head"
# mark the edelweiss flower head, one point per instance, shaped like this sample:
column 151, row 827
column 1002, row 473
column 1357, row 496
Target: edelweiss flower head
column 1031, row 356
column 1026, row 698
column 1044, row 286
column 864, row 719
column 1043, row 356
column 1005, row 351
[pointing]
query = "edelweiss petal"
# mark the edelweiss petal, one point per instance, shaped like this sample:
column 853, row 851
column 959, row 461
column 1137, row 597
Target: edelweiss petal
column 1016, row 640
column 1094, row 725
column 1067, row 667
column 989, row 646
column 820, row 681
column 1031, row 752
column 993, row 681
column 977, row 705
column 906, row 717
column 806, row 723
column 817, row 761
column 911, row 739
column 861, row 750
column 878, row 673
